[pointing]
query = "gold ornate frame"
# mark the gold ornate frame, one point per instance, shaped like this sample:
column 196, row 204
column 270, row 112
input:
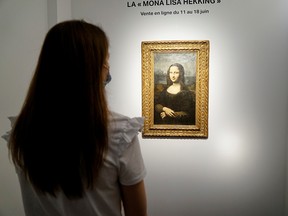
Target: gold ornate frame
column 199, row 49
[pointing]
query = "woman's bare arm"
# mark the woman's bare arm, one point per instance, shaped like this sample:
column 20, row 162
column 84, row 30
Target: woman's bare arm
column 134, row 199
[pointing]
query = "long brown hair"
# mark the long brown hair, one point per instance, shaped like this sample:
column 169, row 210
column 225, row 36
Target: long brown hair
column 60, row 137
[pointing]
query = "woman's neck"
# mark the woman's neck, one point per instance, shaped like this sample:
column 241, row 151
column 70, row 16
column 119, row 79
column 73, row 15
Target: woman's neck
column 174, row 88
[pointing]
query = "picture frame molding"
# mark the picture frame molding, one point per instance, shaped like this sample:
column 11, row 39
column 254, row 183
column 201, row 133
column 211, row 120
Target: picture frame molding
column 148, row 50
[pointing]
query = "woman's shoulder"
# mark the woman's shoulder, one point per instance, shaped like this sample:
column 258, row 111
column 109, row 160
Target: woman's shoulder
column 121, row 120
column 124, row 129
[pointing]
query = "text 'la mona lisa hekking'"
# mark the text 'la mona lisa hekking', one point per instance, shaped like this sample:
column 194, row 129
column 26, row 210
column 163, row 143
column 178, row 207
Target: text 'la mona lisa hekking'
column 170, row 2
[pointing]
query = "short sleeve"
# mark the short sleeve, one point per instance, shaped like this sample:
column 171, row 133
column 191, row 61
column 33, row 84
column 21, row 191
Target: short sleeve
column 132, row 169
column 130, row 160
column 130, row 127
column 7, row 134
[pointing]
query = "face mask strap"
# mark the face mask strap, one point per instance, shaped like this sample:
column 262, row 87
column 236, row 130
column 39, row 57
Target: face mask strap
column 108, row 79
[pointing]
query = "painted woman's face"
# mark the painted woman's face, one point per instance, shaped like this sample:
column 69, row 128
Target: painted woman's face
column 174, row 74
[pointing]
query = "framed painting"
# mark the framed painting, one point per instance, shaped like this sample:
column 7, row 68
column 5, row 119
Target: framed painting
column 175, row 91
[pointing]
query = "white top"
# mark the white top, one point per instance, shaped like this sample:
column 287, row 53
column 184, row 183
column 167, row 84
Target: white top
column 123, row 164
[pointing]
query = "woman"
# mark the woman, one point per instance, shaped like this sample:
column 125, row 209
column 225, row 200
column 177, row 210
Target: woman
column 73, row 156
column 175, row 104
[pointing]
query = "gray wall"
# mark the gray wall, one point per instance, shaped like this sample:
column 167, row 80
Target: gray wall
column 241, row 168
column 23, row 25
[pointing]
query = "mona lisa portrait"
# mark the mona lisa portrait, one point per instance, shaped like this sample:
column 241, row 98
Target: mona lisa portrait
column 175, row 88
